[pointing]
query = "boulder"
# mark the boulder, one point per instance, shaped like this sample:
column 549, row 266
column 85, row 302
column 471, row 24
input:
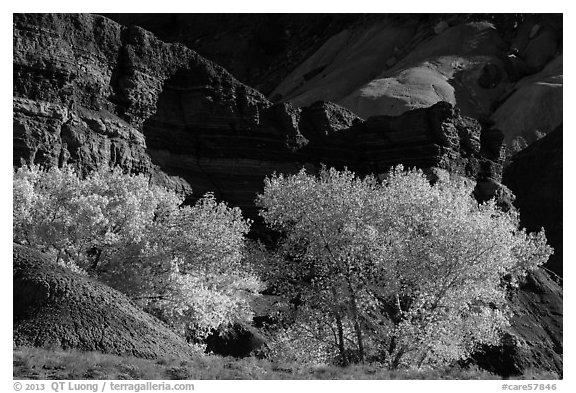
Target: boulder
column 441, row 27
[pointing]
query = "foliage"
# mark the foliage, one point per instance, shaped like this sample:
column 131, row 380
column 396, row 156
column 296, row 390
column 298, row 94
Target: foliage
column 401, row 271
column 183, row 263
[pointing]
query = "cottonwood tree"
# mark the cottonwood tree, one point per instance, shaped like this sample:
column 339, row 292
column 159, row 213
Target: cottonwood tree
column 401, row 271
column 182, row 263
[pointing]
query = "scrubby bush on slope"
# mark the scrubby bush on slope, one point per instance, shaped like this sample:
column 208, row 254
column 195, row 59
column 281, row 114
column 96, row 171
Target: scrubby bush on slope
column 182, row 263
column 399, row 271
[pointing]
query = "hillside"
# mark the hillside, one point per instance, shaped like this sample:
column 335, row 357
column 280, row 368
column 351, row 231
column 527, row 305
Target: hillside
column 54, row 307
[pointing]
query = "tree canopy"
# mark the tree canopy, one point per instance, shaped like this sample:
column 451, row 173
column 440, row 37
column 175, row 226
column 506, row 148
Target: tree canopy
column 184, row 264
column 401, row 270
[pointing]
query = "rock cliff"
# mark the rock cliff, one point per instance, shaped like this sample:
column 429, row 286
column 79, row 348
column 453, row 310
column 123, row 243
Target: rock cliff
column 504, row 69
column 89, row 91
column 535, row 340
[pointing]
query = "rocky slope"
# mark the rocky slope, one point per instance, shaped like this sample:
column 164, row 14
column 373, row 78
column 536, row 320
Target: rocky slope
column 56, row 307
column 89, row 91
column 535, row 339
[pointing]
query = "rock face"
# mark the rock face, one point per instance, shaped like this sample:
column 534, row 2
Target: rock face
column 535, row 177
column 54, row 306
column 433, row 138
column 533, row 107
column 537, row 324
column 64, row 94
column 89, row 91
column 389, row 68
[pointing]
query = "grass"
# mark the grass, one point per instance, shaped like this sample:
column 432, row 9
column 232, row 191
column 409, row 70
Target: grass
column 39, row 363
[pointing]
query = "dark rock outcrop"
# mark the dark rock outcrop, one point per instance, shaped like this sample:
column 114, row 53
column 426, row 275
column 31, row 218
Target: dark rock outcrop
column 64, row 95
column 56, row 307
column 535, row 177
column 537, row 324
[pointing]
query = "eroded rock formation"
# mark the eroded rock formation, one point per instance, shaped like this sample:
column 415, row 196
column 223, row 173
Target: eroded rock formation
column 56, row 307
column 535, row 340
column 98, row 92
column 506, row 73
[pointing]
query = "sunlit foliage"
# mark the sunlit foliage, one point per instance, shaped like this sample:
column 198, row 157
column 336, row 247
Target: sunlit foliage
column 182, row 263
column 398, row 271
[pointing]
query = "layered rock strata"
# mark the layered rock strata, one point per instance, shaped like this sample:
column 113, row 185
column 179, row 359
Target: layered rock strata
column 88, row 91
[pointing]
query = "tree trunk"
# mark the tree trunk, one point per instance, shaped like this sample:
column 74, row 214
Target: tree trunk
column 341, row 348
column 96, row 260
column 357, row 329
column 396, row 362
column 359, row 339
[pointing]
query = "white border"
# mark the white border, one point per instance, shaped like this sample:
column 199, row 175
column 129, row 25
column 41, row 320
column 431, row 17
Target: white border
column 294, row 6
